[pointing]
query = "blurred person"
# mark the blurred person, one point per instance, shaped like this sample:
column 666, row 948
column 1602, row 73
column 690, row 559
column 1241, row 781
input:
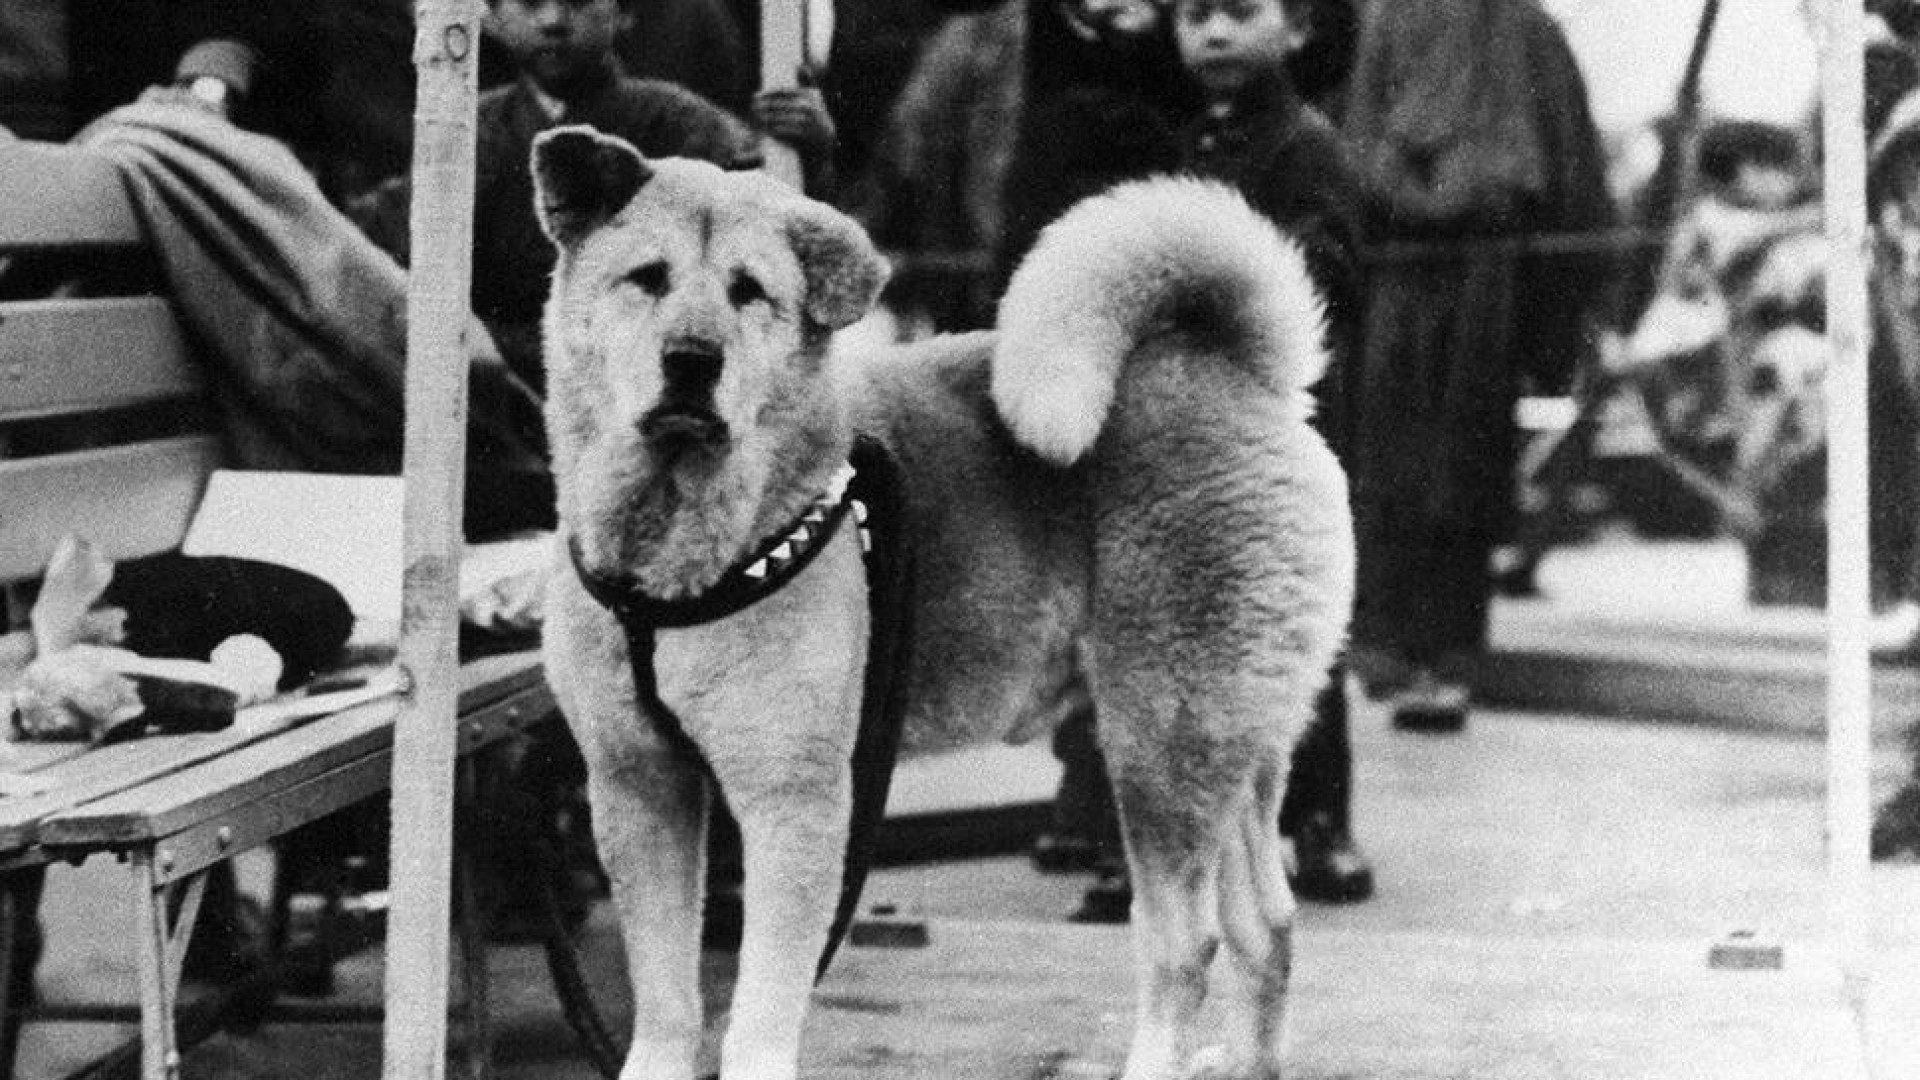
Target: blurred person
column 332, row 79
column 1102, row 93
column 935, row 180
column 1470, row 126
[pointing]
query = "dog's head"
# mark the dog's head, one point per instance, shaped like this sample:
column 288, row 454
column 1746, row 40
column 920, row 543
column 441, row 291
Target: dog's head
column 690, row 314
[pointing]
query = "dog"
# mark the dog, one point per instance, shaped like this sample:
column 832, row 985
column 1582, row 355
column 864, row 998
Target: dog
column 1117, row 492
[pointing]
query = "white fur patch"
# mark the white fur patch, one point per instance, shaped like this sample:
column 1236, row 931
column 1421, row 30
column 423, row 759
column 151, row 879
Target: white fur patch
column 1113, row 270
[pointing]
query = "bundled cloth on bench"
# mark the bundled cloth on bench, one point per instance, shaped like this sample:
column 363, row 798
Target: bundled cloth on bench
column 299, row 319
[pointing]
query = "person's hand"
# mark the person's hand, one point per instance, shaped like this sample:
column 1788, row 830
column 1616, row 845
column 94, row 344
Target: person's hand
column 796, row 116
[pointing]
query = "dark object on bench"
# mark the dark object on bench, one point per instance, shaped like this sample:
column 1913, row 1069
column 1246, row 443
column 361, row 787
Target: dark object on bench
column 184, row 606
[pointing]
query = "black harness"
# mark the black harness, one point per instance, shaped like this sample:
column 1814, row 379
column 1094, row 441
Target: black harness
column 875, row 496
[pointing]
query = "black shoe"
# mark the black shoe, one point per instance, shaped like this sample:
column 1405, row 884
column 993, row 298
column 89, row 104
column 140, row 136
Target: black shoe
column 1110, row 900
column 1896, row 827
column 1058, row 851
column 1431, row 704
column 1328, row 867
column 1517, row 582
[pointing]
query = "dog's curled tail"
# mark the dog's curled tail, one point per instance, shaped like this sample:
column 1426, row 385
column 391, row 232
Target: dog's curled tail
column 1170, row 253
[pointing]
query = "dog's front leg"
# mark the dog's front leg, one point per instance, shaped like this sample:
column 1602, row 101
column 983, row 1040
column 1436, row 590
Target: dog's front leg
column 650, row 820
column 794, row 841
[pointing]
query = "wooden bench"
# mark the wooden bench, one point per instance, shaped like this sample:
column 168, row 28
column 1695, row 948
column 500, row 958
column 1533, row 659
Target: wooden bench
column 77, row 372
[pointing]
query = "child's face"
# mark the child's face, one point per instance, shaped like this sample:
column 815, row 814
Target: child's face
column 558, row 43
column 1228, row 43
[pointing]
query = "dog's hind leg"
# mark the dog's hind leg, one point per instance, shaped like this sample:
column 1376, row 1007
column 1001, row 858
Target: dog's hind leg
column 1256, row 918
column 1175, row 936
column 649, row 818
column 1174, row 781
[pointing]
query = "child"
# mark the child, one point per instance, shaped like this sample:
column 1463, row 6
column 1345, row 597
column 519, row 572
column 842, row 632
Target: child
column 1254, row 133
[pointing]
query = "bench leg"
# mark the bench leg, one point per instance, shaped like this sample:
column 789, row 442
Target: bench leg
column 161, row 935
column 19, row 952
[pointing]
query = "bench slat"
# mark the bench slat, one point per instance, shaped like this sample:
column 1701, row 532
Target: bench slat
column 107, row 770
column 313, row 748
column 130, row 500
column 54, row 195
column 73, row 355
column 497, row 695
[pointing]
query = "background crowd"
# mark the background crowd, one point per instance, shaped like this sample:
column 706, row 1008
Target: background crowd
column 1478, row 239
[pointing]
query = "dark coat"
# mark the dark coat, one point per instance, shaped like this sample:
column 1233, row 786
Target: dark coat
column 1470, row 122
column 1094, row 113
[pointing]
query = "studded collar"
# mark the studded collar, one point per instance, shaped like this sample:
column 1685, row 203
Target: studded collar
column 760, row 574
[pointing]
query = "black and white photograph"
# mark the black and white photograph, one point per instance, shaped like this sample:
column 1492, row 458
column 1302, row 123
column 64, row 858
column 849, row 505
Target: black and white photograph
column 939, row 539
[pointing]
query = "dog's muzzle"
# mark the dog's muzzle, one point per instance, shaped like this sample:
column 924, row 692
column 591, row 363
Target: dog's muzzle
column 686, row 415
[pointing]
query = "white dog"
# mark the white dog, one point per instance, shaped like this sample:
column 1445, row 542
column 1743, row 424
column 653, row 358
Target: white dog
column 1122, row 484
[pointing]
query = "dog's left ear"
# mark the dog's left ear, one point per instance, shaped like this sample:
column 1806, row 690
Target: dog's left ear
column 581, row 178
column 843, row 269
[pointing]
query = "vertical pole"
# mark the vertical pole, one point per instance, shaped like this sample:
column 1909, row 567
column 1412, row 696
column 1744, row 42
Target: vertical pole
column 783, row 49
column 1849, row 682
column 446, row 54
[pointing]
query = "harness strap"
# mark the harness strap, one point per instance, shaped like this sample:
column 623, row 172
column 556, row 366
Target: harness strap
column 876, row 495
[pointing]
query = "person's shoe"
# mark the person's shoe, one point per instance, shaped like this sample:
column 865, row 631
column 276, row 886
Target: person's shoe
column 1431, row 704
column 1057, row 851
column 1110, row 900
column 1328, row 867
column 1896, row 826
column 1517, row 582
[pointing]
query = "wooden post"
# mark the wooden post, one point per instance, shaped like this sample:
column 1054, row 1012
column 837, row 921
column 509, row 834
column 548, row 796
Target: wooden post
column 446, row 61
column 783, row 49
column 1849, row 682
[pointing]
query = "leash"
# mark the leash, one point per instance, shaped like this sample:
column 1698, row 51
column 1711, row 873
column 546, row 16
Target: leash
column 872, row 489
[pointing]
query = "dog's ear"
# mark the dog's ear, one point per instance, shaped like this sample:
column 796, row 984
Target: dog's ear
column 581, row 178
column 844, row 271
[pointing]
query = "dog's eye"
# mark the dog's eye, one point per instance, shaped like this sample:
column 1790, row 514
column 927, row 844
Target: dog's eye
column 745, row 289
column 650, row 278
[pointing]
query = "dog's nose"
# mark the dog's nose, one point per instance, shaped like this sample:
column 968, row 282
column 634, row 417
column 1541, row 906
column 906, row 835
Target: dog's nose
column 692, row 363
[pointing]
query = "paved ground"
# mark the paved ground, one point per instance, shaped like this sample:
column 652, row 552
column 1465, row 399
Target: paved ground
column 1550, row 885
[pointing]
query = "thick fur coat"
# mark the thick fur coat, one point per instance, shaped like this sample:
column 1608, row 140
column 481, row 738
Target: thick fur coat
column 1117, row 494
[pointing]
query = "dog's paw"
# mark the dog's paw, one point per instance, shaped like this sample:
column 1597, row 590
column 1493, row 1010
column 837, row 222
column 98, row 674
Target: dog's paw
column 1218, row 1062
